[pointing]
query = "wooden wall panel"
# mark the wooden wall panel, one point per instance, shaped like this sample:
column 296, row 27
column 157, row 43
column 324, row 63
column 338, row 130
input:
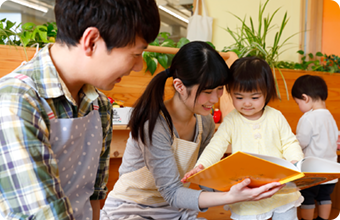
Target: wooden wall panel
column 11, row 57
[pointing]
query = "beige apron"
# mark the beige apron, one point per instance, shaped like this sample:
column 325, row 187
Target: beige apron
column 139, row 186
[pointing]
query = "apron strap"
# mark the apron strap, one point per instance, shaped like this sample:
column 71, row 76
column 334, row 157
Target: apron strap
column 200, row 125
column 30, row 82
column 198, row 121
column 95, row 105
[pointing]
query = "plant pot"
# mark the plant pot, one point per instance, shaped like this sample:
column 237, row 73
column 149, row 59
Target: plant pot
column 12, row 56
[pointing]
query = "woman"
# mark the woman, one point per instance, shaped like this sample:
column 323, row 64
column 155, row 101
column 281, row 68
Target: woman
column 166, row 139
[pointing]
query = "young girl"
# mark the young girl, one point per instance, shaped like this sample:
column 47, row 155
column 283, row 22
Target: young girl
column 165, row 141
column 256, row 128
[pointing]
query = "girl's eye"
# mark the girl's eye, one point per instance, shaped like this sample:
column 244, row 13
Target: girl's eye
column 255, row 97
column 207, row 92
column 239, row 98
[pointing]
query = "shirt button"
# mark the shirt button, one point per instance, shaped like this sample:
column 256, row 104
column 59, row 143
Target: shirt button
column 257, row 136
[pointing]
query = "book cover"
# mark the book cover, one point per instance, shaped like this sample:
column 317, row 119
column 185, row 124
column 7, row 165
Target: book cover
column 261, row 169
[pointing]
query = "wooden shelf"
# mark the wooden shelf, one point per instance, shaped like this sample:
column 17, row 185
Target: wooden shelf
column 120, row 127
column 123, row 127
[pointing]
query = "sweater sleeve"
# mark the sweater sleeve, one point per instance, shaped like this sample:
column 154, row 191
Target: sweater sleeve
column 218, row 145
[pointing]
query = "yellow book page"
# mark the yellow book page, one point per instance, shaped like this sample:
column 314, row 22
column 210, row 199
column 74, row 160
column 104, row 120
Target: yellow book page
column 239, row 166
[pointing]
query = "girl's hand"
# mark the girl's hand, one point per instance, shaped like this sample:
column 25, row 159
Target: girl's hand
column 241, row 191
column 192, row 172
column 294, row 161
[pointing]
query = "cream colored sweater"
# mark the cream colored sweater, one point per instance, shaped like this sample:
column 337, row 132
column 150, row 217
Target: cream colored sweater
column 269, row 135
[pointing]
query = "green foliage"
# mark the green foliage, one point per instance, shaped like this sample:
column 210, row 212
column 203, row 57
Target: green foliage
column 152, row 59
column 318, row 62
column 252, row 41
column 27, row 34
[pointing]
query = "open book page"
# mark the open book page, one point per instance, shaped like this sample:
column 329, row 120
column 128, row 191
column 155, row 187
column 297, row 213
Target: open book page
column 317, row 171
column 239, row 166
column 276, row 160
column 262, row 169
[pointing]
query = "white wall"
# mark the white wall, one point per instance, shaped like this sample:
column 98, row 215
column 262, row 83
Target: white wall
column 219, row 10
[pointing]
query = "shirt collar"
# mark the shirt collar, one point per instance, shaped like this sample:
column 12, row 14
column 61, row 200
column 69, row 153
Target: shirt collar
column 50, row 84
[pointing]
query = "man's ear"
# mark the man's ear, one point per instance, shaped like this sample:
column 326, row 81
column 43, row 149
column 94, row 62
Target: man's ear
column 179, row 86
column 89, row 39
column 306, row 98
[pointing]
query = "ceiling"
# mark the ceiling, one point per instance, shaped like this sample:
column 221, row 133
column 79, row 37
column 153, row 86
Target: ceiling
column 174, row 14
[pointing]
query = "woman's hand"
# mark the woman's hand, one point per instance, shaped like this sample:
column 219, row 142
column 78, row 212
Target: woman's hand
column 192, row 172
column 241, row 191
column 238, row 193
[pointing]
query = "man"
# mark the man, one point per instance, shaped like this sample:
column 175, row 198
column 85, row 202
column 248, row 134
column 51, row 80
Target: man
column 55, row 126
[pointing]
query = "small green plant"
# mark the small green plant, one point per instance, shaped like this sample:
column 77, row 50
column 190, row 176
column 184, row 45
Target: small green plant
column 27, row 34
column 318, row 62
column 152, row 58
column 251, row 41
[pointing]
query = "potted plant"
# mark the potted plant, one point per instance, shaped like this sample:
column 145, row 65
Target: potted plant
column 252, row 41
column 16, row 41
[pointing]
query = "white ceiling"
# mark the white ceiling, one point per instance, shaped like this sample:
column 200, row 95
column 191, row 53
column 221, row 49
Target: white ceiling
column 174, row 13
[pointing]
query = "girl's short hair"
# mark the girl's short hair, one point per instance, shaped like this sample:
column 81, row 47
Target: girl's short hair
column 249, row 74
column 313, row 86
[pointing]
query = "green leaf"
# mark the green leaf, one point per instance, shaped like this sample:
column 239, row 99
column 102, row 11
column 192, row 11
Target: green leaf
column 168, row 43
column 51, row 30
column 298, row 66
column 155, row 42
column 311, row 55
column 25, row 38
column 165, row 35
column 183, row 41
column 28, row 26
column 42, row 32
column 170, row 58
column 151, row 66
column 9, row 24
column 301, row 52
column 163, row 60
column 319, row 54
column 211, row 44
column 147, row 55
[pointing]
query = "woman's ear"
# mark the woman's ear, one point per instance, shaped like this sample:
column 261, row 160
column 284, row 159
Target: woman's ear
column 179, row 86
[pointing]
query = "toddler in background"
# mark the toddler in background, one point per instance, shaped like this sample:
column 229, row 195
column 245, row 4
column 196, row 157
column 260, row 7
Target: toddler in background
column 256, row 128
column 317, row 133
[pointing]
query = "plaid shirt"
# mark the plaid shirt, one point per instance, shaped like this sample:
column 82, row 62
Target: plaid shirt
column 29, row 177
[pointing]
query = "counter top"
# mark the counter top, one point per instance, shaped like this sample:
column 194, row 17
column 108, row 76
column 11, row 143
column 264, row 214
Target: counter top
column 124, row 127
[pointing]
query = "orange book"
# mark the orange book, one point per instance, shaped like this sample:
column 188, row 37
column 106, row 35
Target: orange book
column 262, row 169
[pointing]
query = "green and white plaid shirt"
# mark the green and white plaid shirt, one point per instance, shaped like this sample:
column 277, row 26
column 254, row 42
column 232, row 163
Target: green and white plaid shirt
column 29, row 178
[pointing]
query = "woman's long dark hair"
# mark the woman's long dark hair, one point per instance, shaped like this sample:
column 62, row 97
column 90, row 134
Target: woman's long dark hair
column 196, row 63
